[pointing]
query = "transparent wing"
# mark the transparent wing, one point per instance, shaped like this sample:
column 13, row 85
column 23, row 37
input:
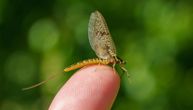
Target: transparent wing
column 99, row 37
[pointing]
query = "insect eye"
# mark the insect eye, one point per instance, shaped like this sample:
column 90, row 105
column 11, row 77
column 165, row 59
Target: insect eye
column 122, row 62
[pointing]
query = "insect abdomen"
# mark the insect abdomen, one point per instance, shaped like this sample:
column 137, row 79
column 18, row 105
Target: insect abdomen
column 86, row 62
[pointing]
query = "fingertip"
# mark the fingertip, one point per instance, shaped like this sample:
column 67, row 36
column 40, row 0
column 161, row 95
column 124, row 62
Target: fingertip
column 92, row 87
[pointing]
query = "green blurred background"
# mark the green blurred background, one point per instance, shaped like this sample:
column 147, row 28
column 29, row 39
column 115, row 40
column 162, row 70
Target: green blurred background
column 41, row 37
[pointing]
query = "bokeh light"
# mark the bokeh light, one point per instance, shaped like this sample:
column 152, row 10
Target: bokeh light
column 20, row 67
column 43, row 35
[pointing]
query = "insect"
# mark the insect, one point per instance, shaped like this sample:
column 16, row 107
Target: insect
column 101, row 42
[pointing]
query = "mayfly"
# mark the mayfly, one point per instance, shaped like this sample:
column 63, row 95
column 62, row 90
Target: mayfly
column 101, row 42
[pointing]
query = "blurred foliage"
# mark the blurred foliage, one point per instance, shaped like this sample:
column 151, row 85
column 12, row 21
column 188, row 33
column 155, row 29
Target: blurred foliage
column 41, row 37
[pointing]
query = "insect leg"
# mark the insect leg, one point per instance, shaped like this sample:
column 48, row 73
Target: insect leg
column 114, row 66
column 124, row 70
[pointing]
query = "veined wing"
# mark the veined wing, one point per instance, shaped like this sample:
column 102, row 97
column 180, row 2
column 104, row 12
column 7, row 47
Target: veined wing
column 99, row 37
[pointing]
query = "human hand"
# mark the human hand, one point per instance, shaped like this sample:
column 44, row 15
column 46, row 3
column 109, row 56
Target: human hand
column 91, row 88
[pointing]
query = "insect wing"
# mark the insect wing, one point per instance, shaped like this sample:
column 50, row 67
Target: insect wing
column 99, row 37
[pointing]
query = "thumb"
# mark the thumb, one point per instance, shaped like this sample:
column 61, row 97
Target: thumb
column 91, row 88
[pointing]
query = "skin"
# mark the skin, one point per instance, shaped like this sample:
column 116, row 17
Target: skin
column 91, row 88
